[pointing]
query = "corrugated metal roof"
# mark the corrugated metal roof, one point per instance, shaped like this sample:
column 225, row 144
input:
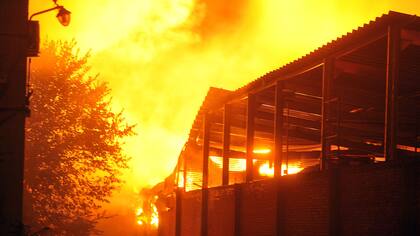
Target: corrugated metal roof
column 214, row 96
column 217, row 96
column 379, row 25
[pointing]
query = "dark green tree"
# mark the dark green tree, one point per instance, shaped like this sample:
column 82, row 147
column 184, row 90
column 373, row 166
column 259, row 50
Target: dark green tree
column 73, row 144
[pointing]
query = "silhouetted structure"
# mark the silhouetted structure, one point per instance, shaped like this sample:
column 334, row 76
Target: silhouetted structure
column 13, row 45
column 345, row 115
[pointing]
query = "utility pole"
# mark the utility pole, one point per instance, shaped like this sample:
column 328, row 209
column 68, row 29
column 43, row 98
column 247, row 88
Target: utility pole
column 13, row 109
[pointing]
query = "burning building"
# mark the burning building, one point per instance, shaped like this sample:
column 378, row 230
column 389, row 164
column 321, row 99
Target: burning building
column 345, row 119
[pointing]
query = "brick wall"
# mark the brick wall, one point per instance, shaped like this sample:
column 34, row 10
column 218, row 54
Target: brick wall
column 305, row 207
column 191, row 213
column 381, row 199
column 258, row 208
column 167, row 223
column 371, row 201
column 221, row 211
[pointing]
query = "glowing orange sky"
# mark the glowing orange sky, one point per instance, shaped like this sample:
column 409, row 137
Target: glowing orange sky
column 160, row 56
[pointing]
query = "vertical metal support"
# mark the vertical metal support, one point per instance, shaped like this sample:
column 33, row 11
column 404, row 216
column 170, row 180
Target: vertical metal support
column 278, row 129
column 226, row 144
column 178, row 197
column 250, row 130
column 286, row 170
column 338, row 126
column 327, row 76
column 416, row 144
column 204, row 192
column 178, row 168
column 185, row 174
column 392, row 74
column 206, row 143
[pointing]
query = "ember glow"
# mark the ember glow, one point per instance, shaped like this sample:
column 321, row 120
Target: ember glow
column 235, row 165
column 262, row 151
column 160, row 57
column 267, row 170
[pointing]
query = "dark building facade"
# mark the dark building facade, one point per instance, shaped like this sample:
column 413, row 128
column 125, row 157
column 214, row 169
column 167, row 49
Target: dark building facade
column 338, row 129
column 13, row 41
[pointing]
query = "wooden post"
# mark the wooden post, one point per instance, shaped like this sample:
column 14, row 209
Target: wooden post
column 250, row 130
column 327, row 76
column 278, row 132
column 226, row 144
column 204, row 192
column 392, row 74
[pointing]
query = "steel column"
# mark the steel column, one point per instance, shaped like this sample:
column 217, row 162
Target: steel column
column 327, row 76
column 205, row 181
column 250, row 130
column 391, row 109
column 278, row 129
column 185, row 173
column 204, row 192
column 206, row 142
column 226, row 144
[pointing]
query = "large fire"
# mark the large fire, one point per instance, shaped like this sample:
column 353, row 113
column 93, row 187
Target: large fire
column 160, row 56
column 148, row 215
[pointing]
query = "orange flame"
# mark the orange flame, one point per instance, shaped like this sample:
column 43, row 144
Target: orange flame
column 267, row 170
column 149, row 217
column 135, row 53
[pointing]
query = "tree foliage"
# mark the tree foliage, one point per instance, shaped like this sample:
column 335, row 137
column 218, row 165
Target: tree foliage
column 73, row 144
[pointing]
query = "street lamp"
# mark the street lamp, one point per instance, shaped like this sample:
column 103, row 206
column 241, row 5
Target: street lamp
column 63, row 16
column 32, row 49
